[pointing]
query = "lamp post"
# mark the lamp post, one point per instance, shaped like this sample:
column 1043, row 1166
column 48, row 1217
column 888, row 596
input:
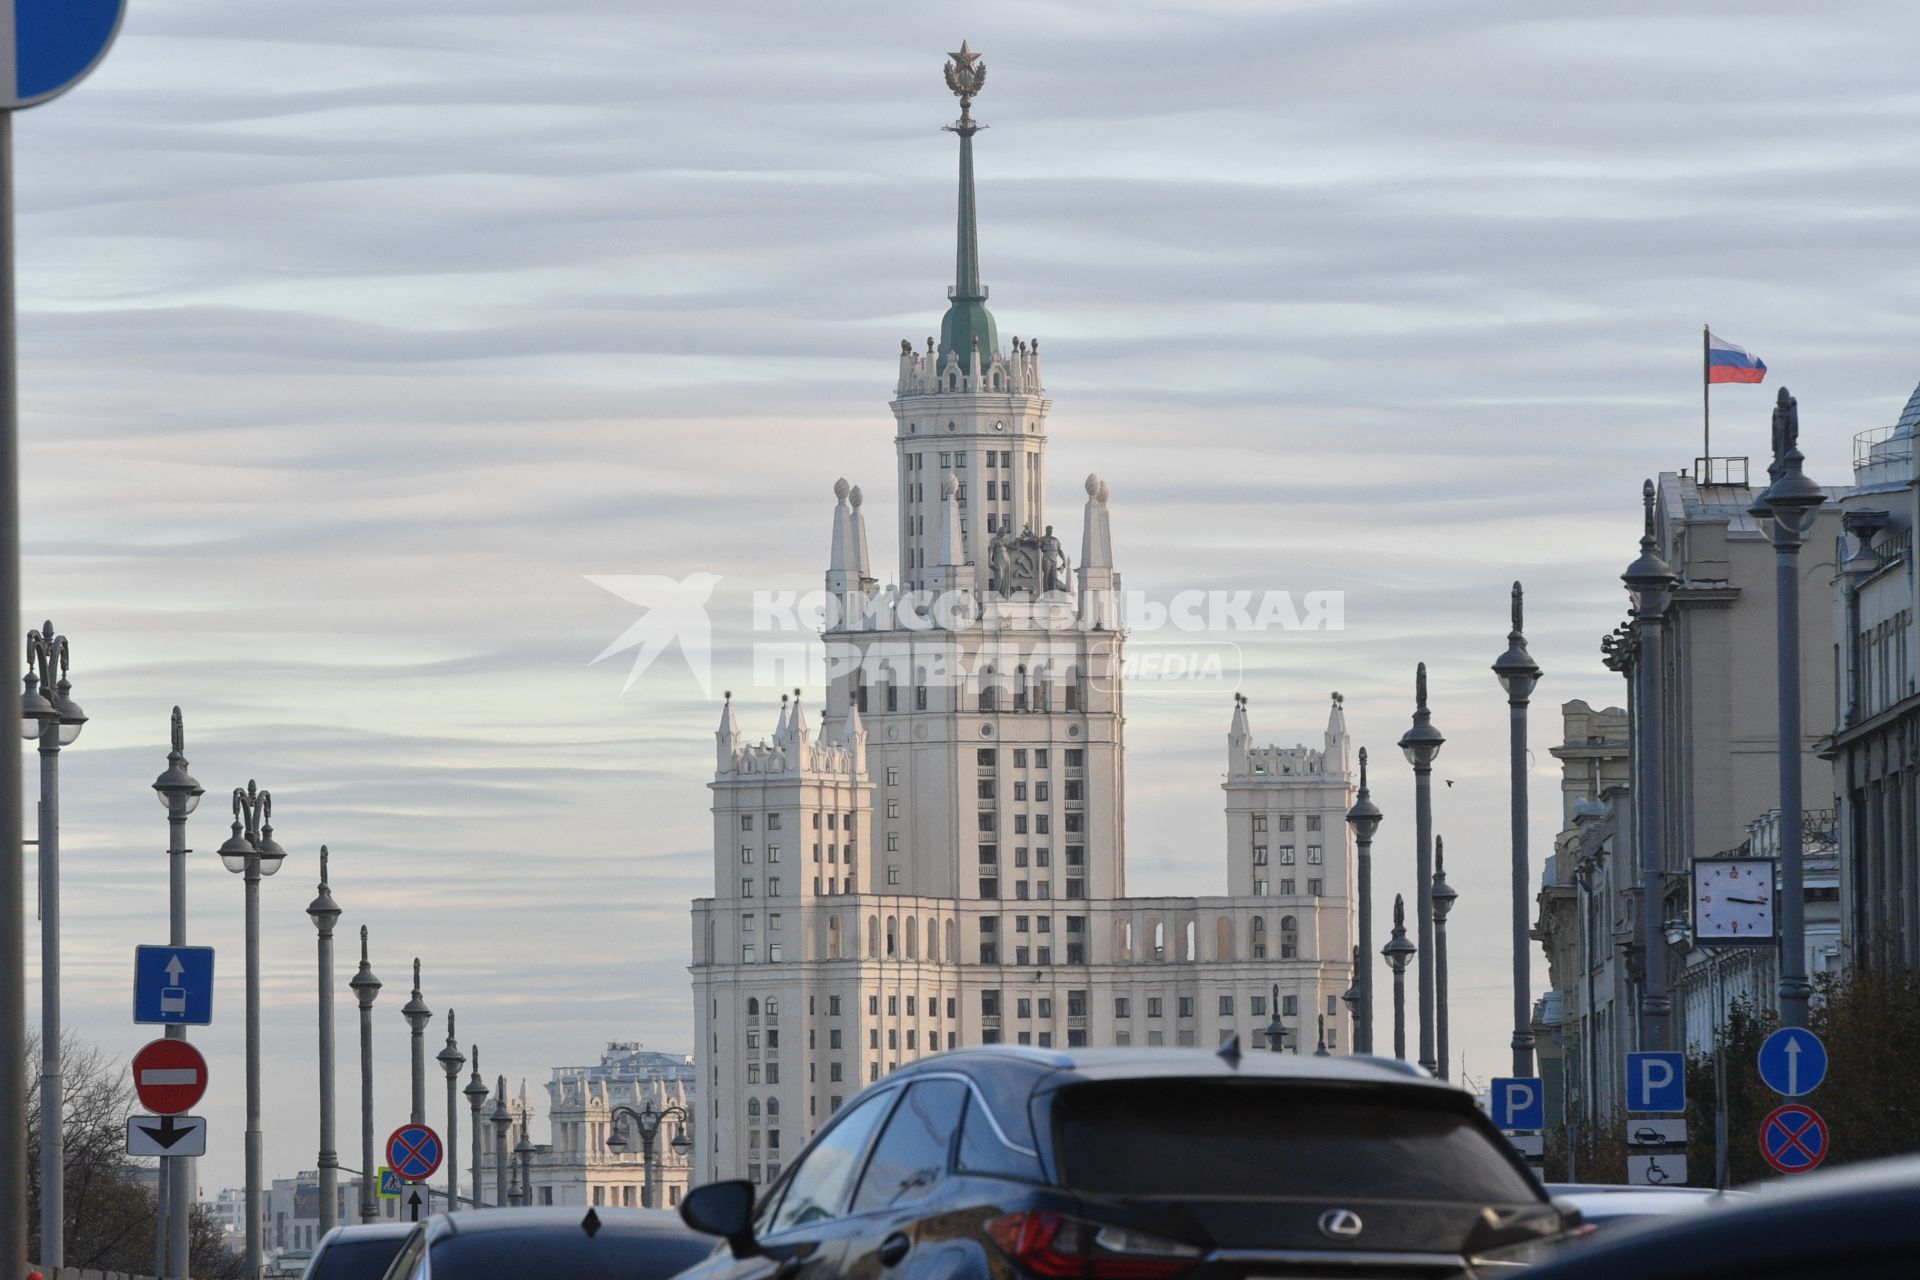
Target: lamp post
column 476, row 1092
column 1320, row 1050
column 252, row 852
column 524, row 1150
column 451, row 1060
column 1421, row 743
column 1518, row 674
column 502, row 1121
column 1397, row 952
column 647, row 1120
column 1442, row 895
column 180, row 796
column 1364, row 819
column 1351, row 998
column 1793, row 501
column 1277, row 1031
column 365, row 988
column 417, row 1014
column 324, row 911
column 53, row 719
column 1650, row 588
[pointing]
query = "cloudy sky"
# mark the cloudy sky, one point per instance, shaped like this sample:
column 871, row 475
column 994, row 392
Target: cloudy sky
column 354, row 337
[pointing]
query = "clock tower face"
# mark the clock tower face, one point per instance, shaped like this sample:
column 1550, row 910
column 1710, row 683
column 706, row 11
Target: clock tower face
column 1733, row 900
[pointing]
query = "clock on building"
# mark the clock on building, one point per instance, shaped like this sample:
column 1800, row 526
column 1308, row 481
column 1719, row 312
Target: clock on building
column 1733, row 900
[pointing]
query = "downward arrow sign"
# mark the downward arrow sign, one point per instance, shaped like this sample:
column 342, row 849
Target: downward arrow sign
column 168, row 1133
column 174, row 968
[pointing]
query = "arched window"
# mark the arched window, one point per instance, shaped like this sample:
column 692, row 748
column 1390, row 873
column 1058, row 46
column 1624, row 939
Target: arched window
column 753, row 1107
column 913, row 938
column 1289, row 938
column 773, row 1007
column 989, row 693
column 933, row 938
column 953, row 941
column 1042, row 696
column 773, row 1108
column 833, row 937
column 893, row 935
column 1259, row 931
column 1223, row 938
column 1159, row 940
column 1020, row 688
column 873, row 937
column 753, row 1007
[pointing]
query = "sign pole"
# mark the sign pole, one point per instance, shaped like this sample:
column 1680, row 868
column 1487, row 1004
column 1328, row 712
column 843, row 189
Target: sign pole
column 13, row 906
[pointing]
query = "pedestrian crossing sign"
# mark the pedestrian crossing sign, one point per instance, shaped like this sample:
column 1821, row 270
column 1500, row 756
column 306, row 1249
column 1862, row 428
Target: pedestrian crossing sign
column 389, row 1184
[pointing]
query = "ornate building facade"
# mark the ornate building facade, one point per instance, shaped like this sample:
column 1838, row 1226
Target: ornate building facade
column 942, row 861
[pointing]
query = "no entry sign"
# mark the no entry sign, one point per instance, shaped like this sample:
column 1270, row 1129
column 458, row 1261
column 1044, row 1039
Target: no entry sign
column 414, row 1152
column 170, row 1076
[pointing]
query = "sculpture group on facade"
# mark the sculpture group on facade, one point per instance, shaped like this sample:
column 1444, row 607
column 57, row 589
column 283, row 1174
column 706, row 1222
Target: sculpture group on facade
column 1026, row 563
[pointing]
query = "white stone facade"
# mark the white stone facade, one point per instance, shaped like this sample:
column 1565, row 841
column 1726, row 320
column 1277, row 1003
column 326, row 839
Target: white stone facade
column 942, row 861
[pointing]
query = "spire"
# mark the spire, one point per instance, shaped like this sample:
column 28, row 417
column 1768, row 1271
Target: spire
column 1239, row 739
column 857, row 520
column 840, row 557
column 1098, row 582
column 1335, row 759
column 780, row 730
column 968, row 322
column 726, row 738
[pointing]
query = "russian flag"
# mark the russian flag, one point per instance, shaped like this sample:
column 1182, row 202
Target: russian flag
column 1728, row 363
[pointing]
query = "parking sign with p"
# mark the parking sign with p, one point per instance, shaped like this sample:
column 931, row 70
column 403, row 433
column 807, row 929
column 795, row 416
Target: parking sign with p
column 1656, row 1082
column 1518, row 1102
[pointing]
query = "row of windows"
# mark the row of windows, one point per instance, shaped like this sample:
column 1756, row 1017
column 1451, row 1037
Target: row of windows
column 1284, row 822
column 988, row 789
column 1315, row 887
column 1043, row 855
column 773, row 821
column 1315, row 855
column 1030, row 891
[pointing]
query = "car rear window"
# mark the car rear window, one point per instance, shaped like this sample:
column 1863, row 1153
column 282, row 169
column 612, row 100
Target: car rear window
column 1181, row 1138
column 355, row 1259
column 569, row 1252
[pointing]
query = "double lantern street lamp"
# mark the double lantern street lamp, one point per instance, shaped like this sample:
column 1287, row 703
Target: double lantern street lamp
column 251, row 851
column 1421, row 743
column 50, row 717
column 647, row 1121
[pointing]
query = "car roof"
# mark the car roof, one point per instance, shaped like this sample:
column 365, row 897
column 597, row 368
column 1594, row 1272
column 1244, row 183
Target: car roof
column 366, row 1231
column 1862, row 1208
column 1157, row 1063
column 629, row 1222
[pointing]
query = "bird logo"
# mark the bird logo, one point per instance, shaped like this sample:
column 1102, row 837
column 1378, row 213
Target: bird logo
column 676, row 610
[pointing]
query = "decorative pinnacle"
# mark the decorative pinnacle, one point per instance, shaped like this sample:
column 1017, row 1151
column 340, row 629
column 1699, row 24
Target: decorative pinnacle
column 1363, row 771
column 1420, row 688
column 1518, row 608
column 1646, row 501
column 363, row 944
column 179, row 736
column 416, row 977
column 966, row 75
column 1439, row 857
column 324, row 855
column 1400, row 913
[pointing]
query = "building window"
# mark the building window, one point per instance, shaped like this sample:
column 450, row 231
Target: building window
column 746, row 888
column 1313, row 822
column 746, row 822
column 1286, row 855
column 1259, row 888
column 1186, row 1006
column 773, row 822
column 893, row 875
column 1259, row 855
column 893, row 842
column 987, row 823
column 989, row 886
column 1259, row 822
column 1040, row 757
column 893, row 775
column 1257, row 1006
column 1153, row 1006
column 1313, row 887
column 1289, row 1006
column 1286, row 822
column 984, row 757
column 773, row 886
column 1313, row 855
column 989, row 854
column 746, row 853
column 1226, row 1006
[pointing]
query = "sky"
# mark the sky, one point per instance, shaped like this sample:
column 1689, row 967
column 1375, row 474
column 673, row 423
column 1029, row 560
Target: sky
column 355, row 338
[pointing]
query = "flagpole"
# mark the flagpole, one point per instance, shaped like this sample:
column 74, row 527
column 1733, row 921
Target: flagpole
column 1706, row 402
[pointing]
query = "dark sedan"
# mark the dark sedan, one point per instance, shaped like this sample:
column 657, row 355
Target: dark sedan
column 1134, row 1164
column 569, row 1244
column 358, row 1252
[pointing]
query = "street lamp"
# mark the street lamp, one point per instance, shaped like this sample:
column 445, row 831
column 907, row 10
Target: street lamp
column 1680, row 937
column 53, row 722
column 451, row 1060
column 1650, row 586
column 417, row 1014
column 1364, row 819
column 502, row 1121
column 476, row 1092
column 252, row 852
column 180, row 796
column 1793, row 500
column 1421, row 743
column 524, row 1150
column 1320, row 1050
column 1351, row 998
column 365, row 988
column 1442, row 895
column 324, row 911
column 1397, row 952
column 647, row 1120
column 1518, row 674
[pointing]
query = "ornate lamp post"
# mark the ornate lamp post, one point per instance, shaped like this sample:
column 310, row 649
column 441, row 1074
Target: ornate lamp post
column 324, row 911
column 524, row 1150
column 647, row 1121
column 1518, row 674
column 417, row 1014
column 451, row 1060
column 1793, row 500
column 365, row 988
column 1650, row 588
column 1422, row 743
column 502, row 1121
column 1364, row 819
column 180, row 795
column 476, row 1092
column 1397, row 952
column 1320, row 1050
column 252, row 852
column 1351, row 998
column 1442, row 896
column 1277, row 1031
column 53, row 719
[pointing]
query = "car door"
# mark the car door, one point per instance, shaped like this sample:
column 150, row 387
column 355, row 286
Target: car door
column 900, row 1186
column 800, row 1228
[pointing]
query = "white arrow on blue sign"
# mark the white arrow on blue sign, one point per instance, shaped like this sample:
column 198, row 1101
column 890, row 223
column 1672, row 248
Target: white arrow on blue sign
column 1793, row 1062
column 1656, row 1082
column 1518, row 1102
column 173, row 985
column 48, row 46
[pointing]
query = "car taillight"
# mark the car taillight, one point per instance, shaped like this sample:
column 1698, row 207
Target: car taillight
column 1054, row 1245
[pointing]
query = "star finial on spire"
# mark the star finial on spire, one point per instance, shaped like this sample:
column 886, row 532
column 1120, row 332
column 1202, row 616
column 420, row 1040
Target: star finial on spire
column 966, row 57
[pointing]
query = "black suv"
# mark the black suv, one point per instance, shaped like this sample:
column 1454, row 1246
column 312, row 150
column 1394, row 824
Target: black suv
column 1135, row 1164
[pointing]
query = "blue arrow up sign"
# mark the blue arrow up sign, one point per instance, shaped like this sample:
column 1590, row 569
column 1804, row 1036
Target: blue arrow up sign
column 48, row 46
